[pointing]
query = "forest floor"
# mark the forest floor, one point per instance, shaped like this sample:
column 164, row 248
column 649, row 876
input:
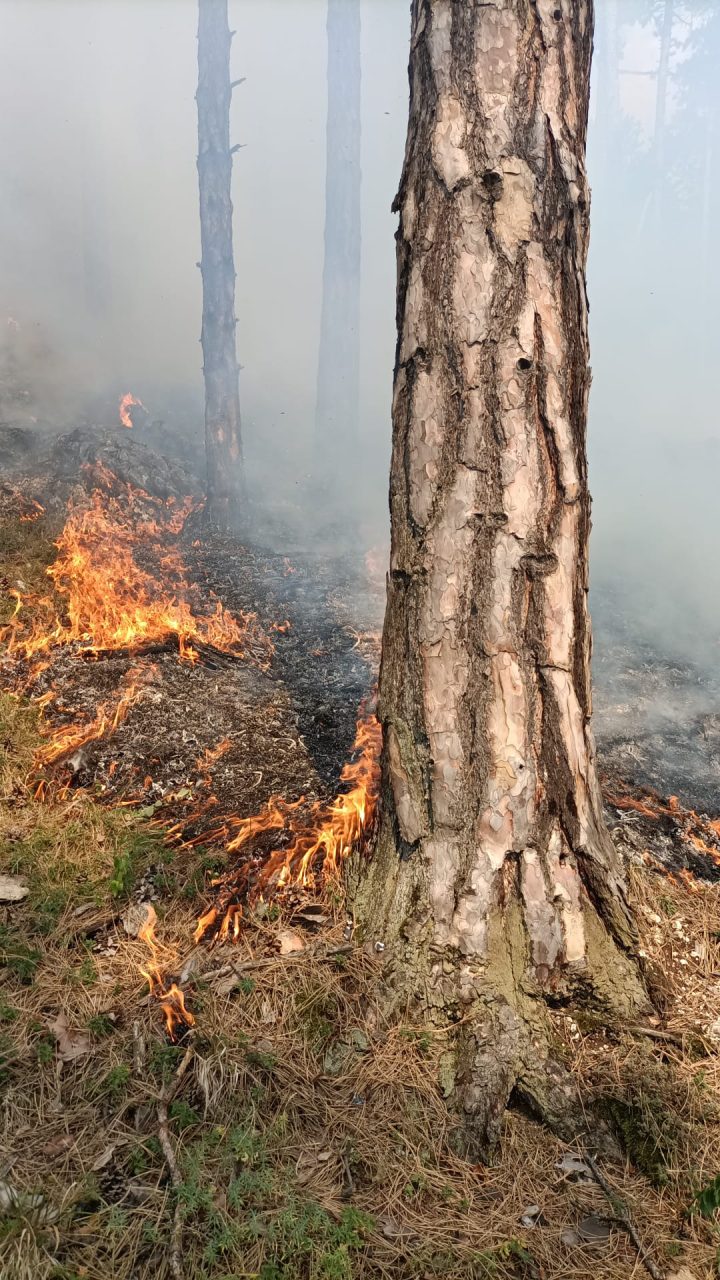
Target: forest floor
column 288, row 1132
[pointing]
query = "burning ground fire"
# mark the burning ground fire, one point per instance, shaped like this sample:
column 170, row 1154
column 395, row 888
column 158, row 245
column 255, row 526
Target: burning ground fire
column 319, row 840
column 108, row 601
column 121, row 586
column 168, row 995
column 701, row 832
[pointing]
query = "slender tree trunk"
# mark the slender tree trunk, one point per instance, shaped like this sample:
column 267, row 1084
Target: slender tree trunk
column 661, row 94
column 494, row 888
column 338, row 380
column 225, row 491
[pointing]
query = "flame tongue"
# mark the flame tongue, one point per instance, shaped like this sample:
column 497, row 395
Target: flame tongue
column 319, row 842
column 124, row 406
column 168, row 995
column 701, row 832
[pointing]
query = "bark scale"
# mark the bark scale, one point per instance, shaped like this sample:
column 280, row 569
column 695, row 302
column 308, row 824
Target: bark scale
column 338, row 380
column 494, row 886
column 225, row 487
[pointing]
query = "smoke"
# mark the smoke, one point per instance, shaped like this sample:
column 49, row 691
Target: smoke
column 99, row 242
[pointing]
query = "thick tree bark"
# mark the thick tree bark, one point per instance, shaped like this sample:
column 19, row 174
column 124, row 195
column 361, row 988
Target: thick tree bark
column 338, row 379
column 225, row 490
column 494, row 887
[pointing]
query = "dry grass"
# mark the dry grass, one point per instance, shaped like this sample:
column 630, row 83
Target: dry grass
column 309, row 1137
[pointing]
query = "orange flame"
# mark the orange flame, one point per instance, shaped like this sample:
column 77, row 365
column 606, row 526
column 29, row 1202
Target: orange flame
column 319, row 843
column 69, row 738
column 169, row 996
column 124, row 407
column 701, row 832
column 32, row 512
column 111, row 602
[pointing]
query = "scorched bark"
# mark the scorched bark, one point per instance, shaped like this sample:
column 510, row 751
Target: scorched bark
column 494, row 883
column 225, row 506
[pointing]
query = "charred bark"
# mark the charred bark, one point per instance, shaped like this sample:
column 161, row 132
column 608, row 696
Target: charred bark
column 338, row 380
column 225, row 489
column 494, row 886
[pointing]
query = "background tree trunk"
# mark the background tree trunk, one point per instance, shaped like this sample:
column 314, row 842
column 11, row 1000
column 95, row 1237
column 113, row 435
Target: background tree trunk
column 494, row 884
column 225, row 505
column 338, row 379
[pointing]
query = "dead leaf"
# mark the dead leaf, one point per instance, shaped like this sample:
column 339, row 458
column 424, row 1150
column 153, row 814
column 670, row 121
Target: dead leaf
column 312, row 915
column 267, row 1013
column 30, row 1204
column 192, row 965
column 134, row 917
column 289, row 942
column 593, row 1230
column 532, row 1216
column 71, row 1044
column 225, row 985
column 683, row 1274
column 305, row 1167
column 101, row 1161
column 575, row 1168
column 590, row 1231
column 59, row 1146
column 12, row 889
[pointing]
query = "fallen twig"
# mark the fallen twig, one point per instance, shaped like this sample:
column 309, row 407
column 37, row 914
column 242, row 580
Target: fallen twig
column 623, row 1218
column 168, row 1151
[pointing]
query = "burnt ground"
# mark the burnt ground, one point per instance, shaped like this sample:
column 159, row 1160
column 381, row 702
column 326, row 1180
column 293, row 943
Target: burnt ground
column 290, row 728
column 656, row 715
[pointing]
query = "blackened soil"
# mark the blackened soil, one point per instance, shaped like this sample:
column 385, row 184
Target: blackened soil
column 323, row 669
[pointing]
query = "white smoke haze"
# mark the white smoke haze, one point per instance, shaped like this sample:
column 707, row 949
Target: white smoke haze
column 99, row 241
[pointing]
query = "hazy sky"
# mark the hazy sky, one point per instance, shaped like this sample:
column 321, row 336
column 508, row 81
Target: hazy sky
column 99, row 239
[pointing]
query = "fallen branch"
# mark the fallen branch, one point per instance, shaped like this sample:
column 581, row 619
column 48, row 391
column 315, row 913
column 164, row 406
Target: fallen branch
column 680, row 1038
column 623, row 1218
column 168, row 1151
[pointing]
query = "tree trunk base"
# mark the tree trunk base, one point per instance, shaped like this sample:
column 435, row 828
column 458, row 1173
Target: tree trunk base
column 225, row 514
column 495, row 1010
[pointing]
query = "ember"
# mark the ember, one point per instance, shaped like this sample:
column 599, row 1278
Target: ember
column 701, row 832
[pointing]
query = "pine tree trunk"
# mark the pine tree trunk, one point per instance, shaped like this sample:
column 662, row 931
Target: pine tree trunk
column 494, row 888
column 338, row 380
column 225, row 490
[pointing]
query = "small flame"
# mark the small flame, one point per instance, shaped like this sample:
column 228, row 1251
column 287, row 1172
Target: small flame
column 32, row 512
column 70, row 738
column 701, row 832
column 169, row 996
column 320, row 842
column 126, row 403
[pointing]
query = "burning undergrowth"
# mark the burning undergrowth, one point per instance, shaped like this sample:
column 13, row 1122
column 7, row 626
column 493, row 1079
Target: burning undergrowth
column 204, row 714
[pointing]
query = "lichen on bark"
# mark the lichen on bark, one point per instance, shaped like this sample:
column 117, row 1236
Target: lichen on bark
column 494, row 885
